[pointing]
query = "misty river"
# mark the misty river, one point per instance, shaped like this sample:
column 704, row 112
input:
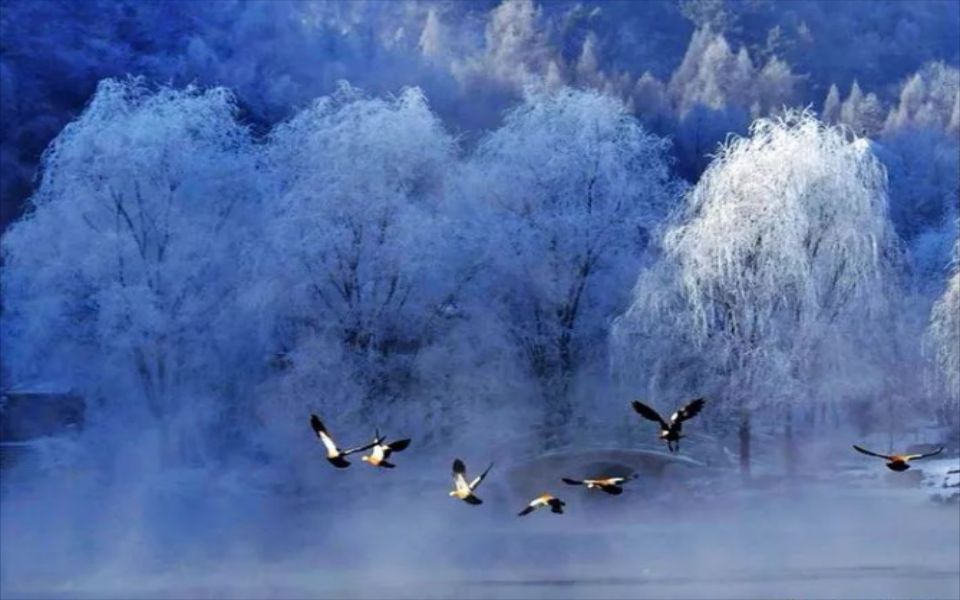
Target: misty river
column 803, row 540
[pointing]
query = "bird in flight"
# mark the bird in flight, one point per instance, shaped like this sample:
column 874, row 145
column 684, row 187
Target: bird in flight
column 670, row 431
column 610, row 485
column 335, row 455
column 382, row 451
column 556, row 505
column 897, row 462
column 461, row 488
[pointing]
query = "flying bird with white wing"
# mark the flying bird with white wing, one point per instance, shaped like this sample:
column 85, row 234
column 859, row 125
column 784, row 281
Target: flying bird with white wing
column 463, row 489
column 671, row 431
column 610, row 485
column 335, row 455
column 544, row 500
column 382, row 451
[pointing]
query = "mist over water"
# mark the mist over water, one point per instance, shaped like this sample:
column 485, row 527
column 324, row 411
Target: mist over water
column 848, row 530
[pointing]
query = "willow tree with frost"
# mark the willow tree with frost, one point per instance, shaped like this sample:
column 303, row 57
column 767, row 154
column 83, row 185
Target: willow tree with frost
column 943, row 339
column 778, row 282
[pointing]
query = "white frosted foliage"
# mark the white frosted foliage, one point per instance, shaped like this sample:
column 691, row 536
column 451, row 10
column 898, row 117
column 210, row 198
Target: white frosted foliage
column 944, row 336
column 778, row 279
column 123, row 277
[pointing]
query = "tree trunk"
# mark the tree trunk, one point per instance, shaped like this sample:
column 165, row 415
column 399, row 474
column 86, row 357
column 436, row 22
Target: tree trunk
column 558, row 411
column 745, row 443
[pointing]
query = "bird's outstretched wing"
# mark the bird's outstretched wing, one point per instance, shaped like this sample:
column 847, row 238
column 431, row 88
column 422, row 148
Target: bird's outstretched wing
column 399, row 445
column 476, row 481
column 688, row 411
column 317, row 425
column 358, row 449
column 619, row 480
column 869, row 453
column 321, row 432
column 925, row 455
column 535, row 504
column 614, row 490
column 459, row 473
column 556, row 505
column 569, row 481
column 648, row 413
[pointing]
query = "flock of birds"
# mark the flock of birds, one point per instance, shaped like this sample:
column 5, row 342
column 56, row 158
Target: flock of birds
column 671, row 430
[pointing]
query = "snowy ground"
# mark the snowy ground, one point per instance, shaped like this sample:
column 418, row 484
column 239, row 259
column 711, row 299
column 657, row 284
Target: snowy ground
column 866, row 538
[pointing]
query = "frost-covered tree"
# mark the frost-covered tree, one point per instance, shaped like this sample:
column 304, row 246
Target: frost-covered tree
column 778, row 284
column 924, row 170
column 650, row 103
column 831, row 106
column 472, row 59
column 516, row 48
column 572, row 185
column 123, row 279
column 943, row 338
column 714, row 76
column 863, row 113
column 921, row 153
column 715, row 91
column 360, row 248
column 775, row 87
column 927, row 100
column 708, row 71
column 710, row 14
